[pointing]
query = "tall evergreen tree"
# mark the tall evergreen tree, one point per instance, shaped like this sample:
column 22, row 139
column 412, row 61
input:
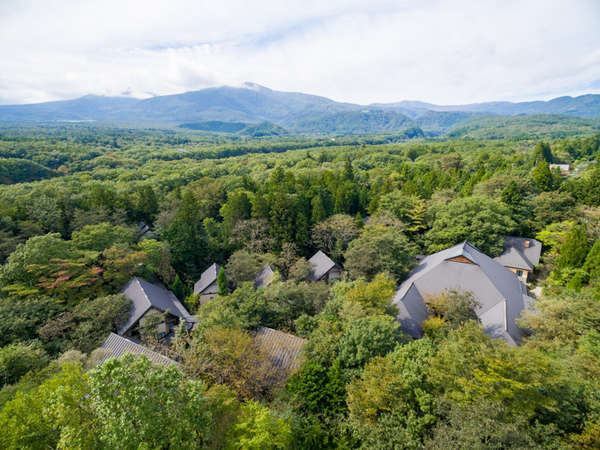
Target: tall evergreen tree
column 348, row 172
column 146, row 204
column 318, row 210
column 178, row 288
column 260, row 207
column 575, row 247
column 222, row 283
column 238, row 207
column 592, row 263
column 282, row 218
column 187, row 238
column 541, row 152
column 542, row 176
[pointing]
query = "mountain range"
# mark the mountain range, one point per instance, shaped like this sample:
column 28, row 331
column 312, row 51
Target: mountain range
column 239, row 109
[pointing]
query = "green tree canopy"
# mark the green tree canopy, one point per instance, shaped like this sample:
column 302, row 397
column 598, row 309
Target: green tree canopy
column 379, row 249
column 482, row 221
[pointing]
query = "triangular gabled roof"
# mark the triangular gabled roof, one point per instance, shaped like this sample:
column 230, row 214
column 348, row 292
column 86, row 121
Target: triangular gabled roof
column 463, row 267
column 520, row 253
column 208, row 277
column 115, row 346
column 265, row 277
column 144, row 296
column 321, row 264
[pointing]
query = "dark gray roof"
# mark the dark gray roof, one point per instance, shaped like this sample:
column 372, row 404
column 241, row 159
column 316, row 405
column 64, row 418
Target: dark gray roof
column 145, row 231
column 285, row 350
column 208, row 277
column 265, row 277
column 321, row 264
column 115, row 346
column 145, row 295
column 515, row 253
column 501, row 296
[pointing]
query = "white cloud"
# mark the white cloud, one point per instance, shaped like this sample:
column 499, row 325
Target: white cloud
column 376, row 51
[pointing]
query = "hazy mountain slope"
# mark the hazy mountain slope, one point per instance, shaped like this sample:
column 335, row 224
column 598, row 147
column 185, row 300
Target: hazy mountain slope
column 439, row 122
column 302, row 113
column 516, row 127
column 582, row 106
column 351, row 122
column 89, row 107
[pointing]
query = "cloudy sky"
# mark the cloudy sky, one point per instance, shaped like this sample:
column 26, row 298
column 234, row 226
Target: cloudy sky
column 359, row 51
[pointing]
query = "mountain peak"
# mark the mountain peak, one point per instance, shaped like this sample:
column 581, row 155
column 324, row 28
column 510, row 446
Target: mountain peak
column 254, row 86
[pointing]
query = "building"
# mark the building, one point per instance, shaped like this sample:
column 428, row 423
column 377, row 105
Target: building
column 148, row 298
column 116, row 346
column 206, row 287
column 520, row 255
column 145, row 231
column 563, row 168
column 501, row 295
column 324, row 268
column 285, row 350
column 265, row 277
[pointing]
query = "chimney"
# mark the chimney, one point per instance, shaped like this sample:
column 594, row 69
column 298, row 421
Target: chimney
column 527, row 244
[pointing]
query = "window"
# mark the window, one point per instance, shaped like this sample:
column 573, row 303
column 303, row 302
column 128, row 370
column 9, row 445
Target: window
column 519, row 273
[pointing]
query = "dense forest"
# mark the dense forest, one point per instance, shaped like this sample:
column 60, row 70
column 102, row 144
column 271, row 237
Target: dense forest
column 72, row 201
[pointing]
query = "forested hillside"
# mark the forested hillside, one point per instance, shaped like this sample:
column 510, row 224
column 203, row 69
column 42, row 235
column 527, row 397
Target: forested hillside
column 86, row 209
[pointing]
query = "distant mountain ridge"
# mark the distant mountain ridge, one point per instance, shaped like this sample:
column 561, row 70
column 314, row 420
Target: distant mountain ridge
column 255, row 105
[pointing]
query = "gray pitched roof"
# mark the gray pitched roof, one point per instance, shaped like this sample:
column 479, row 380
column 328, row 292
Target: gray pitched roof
column 515, row 253
column 285, row 350
column 115, row 346
column 321, row 264
column 208, row 277
column 502, row 297
column 145, row 295
column 265, row 277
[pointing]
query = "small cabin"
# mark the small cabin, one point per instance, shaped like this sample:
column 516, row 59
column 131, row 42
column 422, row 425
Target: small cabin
column 206, row 287
column 149, row 299
column 324, row 268
column 520, row 255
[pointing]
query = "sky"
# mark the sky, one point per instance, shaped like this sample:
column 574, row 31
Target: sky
column 359, row 51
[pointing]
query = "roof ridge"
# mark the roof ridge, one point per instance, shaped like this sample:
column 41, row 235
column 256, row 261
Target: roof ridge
column 143, row 291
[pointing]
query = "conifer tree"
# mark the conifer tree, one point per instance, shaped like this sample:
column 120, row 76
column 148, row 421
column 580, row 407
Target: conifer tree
column 178, row 288
column 187, row 238
column 282, row 219
column 592, row 263
column 542, row 176
column 541, row 152
column 575, row 247
column 222, row 283
column 348, row 173
column 359, row 221
column 318, row 210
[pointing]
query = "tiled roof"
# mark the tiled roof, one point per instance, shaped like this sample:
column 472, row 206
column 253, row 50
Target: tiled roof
column 321, row 264
column 145, row 295
column 285, row 350
column 208, row 277
column 115, row 346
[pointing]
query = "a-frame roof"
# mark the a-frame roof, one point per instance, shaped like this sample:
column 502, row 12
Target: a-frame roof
column 144, row 296
column 265, row 277
column 321, row 264
column 208, row 277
